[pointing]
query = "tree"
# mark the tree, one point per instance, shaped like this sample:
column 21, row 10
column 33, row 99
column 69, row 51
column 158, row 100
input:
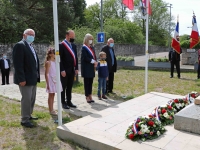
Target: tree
column 38, row 15
column 158, row 22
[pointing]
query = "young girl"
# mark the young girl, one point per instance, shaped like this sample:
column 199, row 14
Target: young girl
column 50, row 76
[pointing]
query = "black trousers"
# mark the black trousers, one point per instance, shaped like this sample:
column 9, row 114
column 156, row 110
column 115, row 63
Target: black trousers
column 67, row 83
column 109, row 83
column 88, row 86
column 198, row 71
column 5, row 75
column 177, row 64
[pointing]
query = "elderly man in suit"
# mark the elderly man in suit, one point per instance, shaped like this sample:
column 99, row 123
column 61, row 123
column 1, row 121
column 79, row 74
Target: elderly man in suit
column 68, row 68
column 5, row 69
column 111, row 62
column 26, row 75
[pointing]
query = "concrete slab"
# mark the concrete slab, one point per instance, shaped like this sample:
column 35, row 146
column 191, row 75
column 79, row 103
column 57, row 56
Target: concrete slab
column 105, row 130
column 188, row 119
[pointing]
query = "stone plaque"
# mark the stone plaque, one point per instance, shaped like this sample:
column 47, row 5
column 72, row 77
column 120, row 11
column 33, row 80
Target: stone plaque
column 191, row 50
column 188, row 119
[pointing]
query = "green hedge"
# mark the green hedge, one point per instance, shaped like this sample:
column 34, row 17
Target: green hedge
column 124, row 58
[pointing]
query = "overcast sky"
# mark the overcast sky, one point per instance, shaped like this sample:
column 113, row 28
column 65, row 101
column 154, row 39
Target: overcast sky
column 183, row 8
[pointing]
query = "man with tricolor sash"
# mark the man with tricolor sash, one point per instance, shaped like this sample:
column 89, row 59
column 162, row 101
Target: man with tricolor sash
column 68, row 68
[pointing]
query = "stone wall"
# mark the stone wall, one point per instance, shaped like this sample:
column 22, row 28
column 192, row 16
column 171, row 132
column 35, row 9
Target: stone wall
column 120, row 49
column 189, row 56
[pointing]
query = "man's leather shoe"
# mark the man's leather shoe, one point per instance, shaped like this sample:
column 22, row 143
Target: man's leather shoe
column 33, row 118
column 27, row 124
column 64, row 106
column 71, row 105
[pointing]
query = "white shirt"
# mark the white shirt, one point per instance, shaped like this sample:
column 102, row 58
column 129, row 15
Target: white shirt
column 6, row 64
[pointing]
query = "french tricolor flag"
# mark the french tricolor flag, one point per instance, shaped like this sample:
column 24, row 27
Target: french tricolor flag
column 194, row 38
column 175, row 43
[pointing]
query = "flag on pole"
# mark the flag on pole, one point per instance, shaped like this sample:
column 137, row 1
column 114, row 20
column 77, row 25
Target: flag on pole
column 143, row 5
column 129, row 3
column 175, row 42
column 194, row 38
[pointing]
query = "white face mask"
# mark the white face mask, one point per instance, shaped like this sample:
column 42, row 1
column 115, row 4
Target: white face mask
column 90, row 41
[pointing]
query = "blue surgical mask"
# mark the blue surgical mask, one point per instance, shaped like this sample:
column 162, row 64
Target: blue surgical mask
column 29, row 39
column 111, row 44
column 5, row 57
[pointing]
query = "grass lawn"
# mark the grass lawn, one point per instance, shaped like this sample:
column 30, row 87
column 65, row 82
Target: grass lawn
column 43, row 137
column 130, row 83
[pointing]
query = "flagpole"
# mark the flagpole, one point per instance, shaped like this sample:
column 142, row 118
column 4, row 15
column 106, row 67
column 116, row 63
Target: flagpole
column 146, row 51
column 55, row 19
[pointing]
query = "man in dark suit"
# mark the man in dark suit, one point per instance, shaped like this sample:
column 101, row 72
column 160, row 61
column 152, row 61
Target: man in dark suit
column 68, row 68
column 26, row 75
column 5, row 69
column 111, row 62
column 174, row 58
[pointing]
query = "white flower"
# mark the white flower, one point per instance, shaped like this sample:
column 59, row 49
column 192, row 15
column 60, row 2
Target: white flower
column 144, row 128
column 154, row 125
column 177, row 106
column 175, row 109
column 158, row 133
column 148, row 131
column 163, row 128
column 183, row 104
column 166, row 115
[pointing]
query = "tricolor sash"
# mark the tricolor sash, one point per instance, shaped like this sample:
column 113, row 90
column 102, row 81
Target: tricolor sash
column 90, row 51
column 66, row 44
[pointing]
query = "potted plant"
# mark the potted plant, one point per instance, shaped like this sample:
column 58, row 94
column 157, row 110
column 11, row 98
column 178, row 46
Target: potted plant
column 159, row 63
column 125, row 61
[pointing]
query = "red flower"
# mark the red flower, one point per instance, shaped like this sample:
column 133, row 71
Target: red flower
column 176, row 101
column 193, row 95
column 150, row 116
column 151, row 133
column 163, row 111
column 169, row 107
column 138, row 120
column 139, row 132
column 131, row 136
column 137, row 125
column 150, row 123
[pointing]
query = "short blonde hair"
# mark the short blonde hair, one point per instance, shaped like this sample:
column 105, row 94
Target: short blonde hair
column 86, row 39
column 101, row 54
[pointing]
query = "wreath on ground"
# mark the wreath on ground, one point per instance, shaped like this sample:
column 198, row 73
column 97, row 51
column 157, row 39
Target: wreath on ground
column 152, row 126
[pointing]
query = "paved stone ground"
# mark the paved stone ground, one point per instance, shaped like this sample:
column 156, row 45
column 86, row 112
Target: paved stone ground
column 105, row 130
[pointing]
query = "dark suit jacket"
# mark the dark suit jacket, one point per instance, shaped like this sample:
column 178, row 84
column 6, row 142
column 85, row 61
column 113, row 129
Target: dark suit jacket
column 109, row 59
column 25, row 64
column 66, row 59
column 174, row 56
column 2, row 66
column 87, row 68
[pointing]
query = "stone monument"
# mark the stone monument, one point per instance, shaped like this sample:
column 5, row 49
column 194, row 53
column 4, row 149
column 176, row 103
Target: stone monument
column 188, row 119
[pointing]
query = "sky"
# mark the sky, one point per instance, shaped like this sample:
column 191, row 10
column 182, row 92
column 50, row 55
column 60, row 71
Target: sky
column 183, row 8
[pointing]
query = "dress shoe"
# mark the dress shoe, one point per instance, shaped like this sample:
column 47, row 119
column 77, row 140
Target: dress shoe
column 33, row 118
column 64, row 106
column 2, row 84
column 104, row 97
column 71, row 105
column 92, row 100
column 27, row 124
column 99, row 97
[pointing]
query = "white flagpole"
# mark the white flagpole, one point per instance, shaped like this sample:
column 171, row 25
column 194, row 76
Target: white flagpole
column 146, row 51
column 55, row 19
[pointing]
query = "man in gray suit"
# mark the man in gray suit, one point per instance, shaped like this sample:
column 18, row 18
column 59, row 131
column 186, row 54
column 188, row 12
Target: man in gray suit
column 26, row 75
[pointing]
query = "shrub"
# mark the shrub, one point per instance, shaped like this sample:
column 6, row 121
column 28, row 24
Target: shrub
column 124, row 58
column 158, row 59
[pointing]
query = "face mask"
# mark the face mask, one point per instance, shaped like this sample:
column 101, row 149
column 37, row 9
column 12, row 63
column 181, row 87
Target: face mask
column 30, row 39
column 5, row 57
column 111, row 44
column 71, row 40
column 90, row 41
